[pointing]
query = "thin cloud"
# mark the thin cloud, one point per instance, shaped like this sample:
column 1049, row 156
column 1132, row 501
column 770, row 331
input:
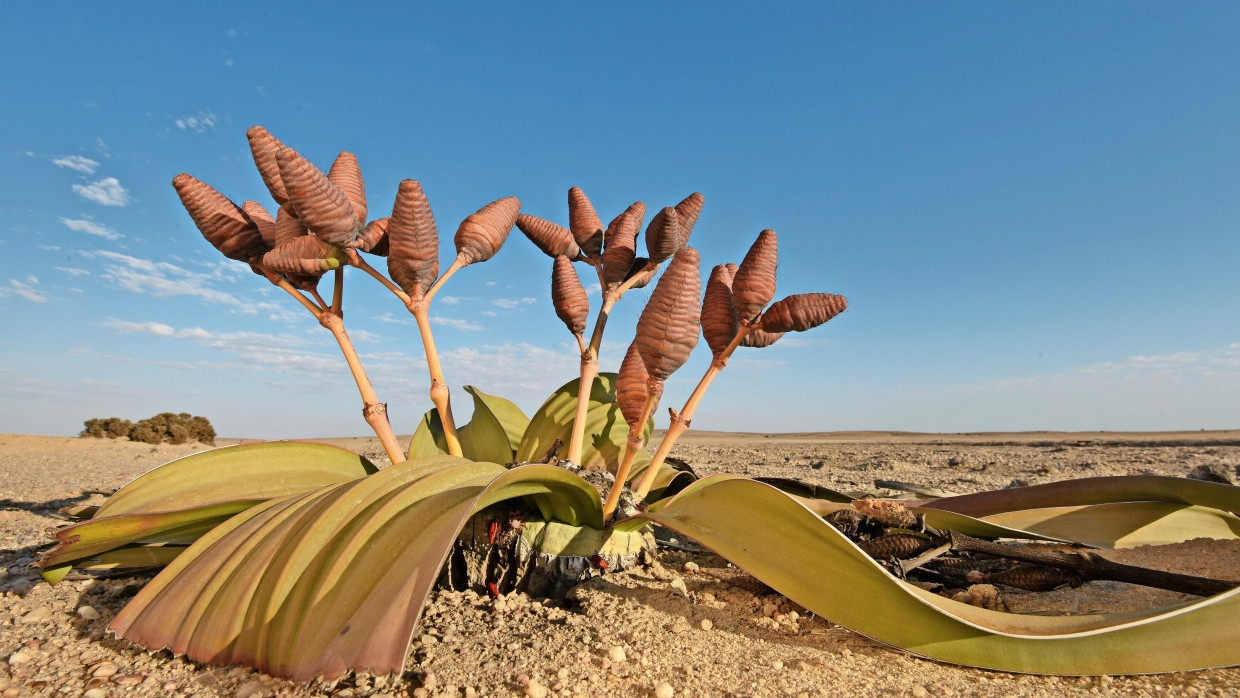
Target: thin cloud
column 163, row 280
column 23, row 290
column 77, row 163
column 510, row 303
column 86, row 225
column 457, row 324
column 73, row 271
column 393, row 320
column 197, row 123
column 107, row 191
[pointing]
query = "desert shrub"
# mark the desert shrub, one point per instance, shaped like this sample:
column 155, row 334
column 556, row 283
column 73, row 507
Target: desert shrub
column 167, row 427
column 109, row 427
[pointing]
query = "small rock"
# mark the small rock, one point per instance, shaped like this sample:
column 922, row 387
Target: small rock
column 88, row 613
column 664, row 690
column 616, row 654
column 678, row 585
column 707, row 624
column 38, row 615
column 1211, row 473
column 19, row 657
column 128, row 679
column 777, row 665
column 104, row 670
column 920, row 692
column 249, row 690
column 533, row 689
column 95, row 692
column 691, row 568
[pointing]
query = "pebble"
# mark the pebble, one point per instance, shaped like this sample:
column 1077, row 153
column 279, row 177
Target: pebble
column 19, row 657
column 104, row 670
column 249, row 690
column 533, row 689
column 95, row 692
column 616, row 654
column 664, row 690
column 38, row 615
column 88, row 613
column 707, row 624
column 128, row 679
column 678, row 585
column 920, row 692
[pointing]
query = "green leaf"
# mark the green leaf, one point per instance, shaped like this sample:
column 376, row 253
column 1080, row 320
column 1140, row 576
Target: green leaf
column 246, row 471
column 491, row 435
column 790, row 548
column 1094, row 490
column 606, row 432
column 428, row 439
column 1124, row 524
column 319, row 583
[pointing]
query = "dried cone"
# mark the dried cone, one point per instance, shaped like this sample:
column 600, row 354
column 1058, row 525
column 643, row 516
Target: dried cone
column 688, row 211
column 347, row 174
column 264, row 147
column 621, row 241
column 802, row 311
column 754, row 284
column 668, row 327
column 482, row 234
column 759, row 338
column 262, row 218
column 221, row 222
column 305, row 255
column 288, row 226
column 641, row 272
column 633, row 386
column 322, row 207
column 555, row 240
column 568, row 296
column 375, row 237
column 583, row 221
column 663, row 235
column 719, row 324
column 413, row 241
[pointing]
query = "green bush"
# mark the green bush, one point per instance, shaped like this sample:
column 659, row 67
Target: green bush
column 164, row 427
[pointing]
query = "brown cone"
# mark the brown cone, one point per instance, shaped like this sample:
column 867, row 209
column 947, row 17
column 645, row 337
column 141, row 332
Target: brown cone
column 305, row 255
column 754, row 284
column 663, row 235
column 572, row 305
column 621, row 243
column 262, row 218
column 413, row 241
column 375, row 237
column 264, row 147
column 482, row 234
column 633, row 387
column 288, row 226
column 221, row 222
column 688, row 210
column 668, row 327
column 347, row 174
column 322, row 207
column 554, row 240
column 718, row 319
column 759, row 338
column 802, row 311
column 583, row 221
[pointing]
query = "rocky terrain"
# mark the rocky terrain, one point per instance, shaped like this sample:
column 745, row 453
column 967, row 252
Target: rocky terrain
column 695, row 626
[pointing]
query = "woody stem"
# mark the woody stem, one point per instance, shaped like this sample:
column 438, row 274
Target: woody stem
column 440, row 395
column 373, row 411
column 680, row 420
column 589, row 370
column 632, row 446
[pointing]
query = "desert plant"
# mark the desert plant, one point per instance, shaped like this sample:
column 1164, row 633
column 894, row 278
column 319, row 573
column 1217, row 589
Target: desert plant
column 108, row 427
column 303, row 560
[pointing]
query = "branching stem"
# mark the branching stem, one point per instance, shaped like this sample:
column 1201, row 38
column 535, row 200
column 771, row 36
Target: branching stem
column 440, row 395
column 632, row 446
column 373, row 411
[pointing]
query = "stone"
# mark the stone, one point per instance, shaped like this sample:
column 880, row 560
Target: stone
column 88, row 613
column 664, row 689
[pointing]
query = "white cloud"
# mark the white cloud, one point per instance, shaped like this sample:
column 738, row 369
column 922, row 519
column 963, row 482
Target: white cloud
column 163, row 280
column 510, row 303
column 77, row 163
column 455, row 323
column 198, row 123
column 73, row 271
column 86, row 225
column 107, row 191
column 393, row 320
column 23, row 290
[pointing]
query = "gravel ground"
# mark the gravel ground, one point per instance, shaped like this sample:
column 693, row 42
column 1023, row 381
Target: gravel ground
column 695, row 626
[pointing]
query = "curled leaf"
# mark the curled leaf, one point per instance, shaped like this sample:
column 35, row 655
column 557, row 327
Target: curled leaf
column 375, row 237
column 802, row 311
column 754, row 284
column 221, row 222
column 688, row 210
column 481, row 234
column 633, row 386
column 322, row 207
column 584, row 223
column 413, row 241
column 663, row 235
column 304, row 255
column 719, row 324
column 262, row 218
column 759, row 338
column 347, row 174
column 641, row 272
column 668, row 327
column 555, row 240
column 621, row 243
column 568, row 296
column 264, row 147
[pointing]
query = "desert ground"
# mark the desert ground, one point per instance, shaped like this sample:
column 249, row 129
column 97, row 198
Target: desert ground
column 715, row 632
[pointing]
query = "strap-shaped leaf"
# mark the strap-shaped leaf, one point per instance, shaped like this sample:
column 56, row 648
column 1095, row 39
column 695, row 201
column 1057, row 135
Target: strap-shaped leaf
column 795, row 552
column 605, row 431
column 492, row 435
column 244, row 471
column 1124, row 524
column 335, row 579
column 1094, row 490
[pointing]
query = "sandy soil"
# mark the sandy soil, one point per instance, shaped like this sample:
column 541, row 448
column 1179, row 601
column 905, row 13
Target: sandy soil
column 715, row 632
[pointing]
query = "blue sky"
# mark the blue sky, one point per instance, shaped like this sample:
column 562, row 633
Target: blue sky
column 1034, row 209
